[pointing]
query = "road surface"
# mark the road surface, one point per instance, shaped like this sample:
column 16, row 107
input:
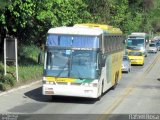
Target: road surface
column 136, row 96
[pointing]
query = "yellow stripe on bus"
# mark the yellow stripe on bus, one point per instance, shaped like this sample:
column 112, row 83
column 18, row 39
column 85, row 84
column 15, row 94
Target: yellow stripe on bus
column 53, row 79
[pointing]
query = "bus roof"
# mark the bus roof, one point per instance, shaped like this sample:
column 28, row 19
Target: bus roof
column 75, row 31
column 106, row 28
column 138, row 34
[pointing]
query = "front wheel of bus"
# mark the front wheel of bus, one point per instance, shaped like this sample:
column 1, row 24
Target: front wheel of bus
column 101, row 92
column 52, row 97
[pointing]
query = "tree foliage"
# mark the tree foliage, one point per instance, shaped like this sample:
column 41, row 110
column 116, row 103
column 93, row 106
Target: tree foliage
column 29, row 20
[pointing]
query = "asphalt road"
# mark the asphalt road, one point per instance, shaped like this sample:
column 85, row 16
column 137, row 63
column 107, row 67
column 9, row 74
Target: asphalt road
column 137, row 93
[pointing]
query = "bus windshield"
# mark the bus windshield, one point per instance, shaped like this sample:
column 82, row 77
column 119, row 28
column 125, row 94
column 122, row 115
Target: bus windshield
column 79, row 64
column 135, row 53
column 136, row 42
column 152, row 45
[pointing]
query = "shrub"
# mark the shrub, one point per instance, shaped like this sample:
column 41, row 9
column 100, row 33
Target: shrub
column 6, row 82
column 28, row 67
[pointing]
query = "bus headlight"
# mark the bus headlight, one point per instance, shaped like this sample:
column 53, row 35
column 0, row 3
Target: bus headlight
column 91, row 84
column 126, row 52
column 142, row 49
column 47, row 82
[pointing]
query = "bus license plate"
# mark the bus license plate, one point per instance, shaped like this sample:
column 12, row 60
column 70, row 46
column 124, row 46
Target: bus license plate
column 49, row 91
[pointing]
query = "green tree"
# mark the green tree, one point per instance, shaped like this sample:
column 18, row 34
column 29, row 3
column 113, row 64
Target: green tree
column 29, row 20
column 70, row 12
column 155, row 16
column 99, row 10
column 118, row 9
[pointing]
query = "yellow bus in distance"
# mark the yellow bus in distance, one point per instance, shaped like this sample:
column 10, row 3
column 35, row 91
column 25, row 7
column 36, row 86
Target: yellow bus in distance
column 136, row 57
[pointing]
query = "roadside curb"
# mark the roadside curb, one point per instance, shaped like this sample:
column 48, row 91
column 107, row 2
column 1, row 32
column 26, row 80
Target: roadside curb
column 18, row 88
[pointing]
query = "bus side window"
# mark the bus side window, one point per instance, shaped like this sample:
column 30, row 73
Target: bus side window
column 49, row 60
column 119, row 43
column 115, row 43
column 105, row 43
column 108, row 44
column 112, row 43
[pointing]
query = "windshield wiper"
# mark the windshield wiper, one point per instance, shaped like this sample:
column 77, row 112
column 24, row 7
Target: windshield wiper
column 79, row 74
column 63, row 68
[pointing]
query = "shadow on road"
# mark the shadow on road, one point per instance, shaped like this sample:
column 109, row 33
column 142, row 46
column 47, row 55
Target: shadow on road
column 36, row 94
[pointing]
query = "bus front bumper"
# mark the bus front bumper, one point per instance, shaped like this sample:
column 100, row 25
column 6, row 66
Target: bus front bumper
column 70, row 90
column 137, row 62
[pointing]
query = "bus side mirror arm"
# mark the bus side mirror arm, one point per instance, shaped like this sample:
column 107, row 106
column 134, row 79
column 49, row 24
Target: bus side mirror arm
column 124, row 41
column 103, row 61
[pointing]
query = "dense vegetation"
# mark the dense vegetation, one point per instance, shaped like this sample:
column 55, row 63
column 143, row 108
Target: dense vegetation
column 28, row 67
column 29, row 20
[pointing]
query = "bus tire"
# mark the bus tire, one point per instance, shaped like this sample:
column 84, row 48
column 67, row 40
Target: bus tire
column 101, row 94
column 52, row 97
column 116, row 82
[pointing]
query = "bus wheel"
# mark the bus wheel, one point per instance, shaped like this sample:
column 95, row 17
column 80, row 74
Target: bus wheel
column 101, row 94
column 116, row 82
column 52, row 97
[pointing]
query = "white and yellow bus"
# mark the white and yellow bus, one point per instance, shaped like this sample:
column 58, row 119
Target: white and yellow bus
column 138, row 41
column 82, row 61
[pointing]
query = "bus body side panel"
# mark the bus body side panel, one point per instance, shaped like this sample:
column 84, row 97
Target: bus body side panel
column 108, row 70
column 116, row 66
column 113, row 69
